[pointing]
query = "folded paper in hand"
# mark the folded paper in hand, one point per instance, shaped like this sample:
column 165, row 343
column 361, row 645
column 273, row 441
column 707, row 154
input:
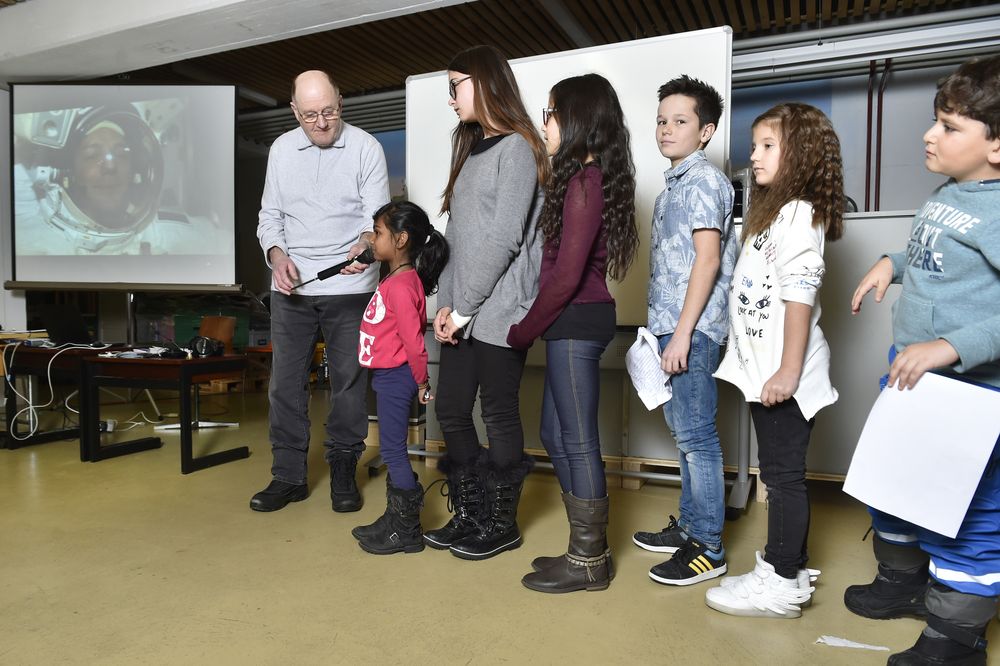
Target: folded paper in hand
column 643, row 364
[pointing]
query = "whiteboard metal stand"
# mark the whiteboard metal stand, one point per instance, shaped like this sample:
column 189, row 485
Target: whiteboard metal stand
column 130, row 341
column 739, row 493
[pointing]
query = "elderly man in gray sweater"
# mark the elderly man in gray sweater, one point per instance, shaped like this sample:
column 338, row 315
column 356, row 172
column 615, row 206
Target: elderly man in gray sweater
column 325, row 179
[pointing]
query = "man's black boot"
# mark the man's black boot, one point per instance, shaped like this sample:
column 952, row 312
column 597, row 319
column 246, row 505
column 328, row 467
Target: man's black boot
column 344, row 495
column 277, row 495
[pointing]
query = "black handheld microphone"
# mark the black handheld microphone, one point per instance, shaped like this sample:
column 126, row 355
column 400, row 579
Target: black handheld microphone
column 366, row 257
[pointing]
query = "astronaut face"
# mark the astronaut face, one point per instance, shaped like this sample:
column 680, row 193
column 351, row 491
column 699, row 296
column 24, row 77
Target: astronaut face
column 101, row 175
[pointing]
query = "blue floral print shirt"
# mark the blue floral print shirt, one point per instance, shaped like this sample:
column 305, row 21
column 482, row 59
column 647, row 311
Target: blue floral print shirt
column 697, row 196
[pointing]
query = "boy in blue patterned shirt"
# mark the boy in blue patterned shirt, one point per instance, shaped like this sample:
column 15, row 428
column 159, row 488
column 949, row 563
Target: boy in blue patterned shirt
column 692, row 258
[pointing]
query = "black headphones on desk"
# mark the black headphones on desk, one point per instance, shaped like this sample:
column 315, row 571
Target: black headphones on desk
column 202, row 347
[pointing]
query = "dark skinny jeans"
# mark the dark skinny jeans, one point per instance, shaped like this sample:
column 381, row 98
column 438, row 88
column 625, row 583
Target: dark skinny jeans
column 782, row 441
column 472, row 367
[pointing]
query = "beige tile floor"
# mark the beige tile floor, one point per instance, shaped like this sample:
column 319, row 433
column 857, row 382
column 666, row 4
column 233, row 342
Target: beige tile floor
column 126, row 561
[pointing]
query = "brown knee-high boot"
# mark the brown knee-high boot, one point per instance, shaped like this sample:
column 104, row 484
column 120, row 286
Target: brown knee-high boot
column 587, row 563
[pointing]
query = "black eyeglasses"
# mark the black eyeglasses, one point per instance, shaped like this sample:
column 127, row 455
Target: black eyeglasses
column 547, row 113
column 453, row 83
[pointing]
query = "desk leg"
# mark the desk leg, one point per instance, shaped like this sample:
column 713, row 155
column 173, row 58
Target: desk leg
column 88, row 413
column 90, row 426
column 188, row 462
column 15, row 438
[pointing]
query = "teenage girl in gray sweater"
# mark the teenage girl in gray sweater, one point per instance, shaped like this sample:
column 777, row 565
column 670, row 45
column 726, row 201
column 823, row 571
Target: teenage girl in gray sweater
column 493, row 199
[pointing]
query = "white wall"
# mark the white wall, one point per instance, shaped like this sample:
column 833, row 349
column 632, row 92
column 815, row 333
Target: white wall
column 907, row 113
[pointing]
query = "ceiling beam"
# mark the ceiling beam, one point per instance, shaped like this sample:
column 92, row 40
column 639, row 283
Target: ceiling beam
column 565, row 19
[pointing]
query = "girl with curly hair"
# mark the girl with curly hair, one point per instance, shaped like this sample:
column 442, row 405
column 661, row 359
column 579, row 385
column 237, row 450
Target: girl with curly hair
column 588, row 222
column 777, row 354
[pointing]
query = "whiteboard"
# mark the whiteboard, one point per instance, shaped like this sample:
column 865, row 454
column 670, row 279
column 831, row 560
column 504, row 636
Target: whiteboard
column 636, row 69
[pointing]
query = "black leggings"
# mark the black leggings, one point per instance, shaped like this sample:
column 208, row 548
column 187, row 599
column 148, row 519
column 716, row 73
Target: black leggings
column 494, row 372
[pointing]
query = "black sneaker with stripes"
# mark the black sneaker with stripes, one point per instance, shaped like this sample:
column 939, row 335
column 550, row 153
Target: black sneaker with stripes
column 667, row 540
column 690, row 564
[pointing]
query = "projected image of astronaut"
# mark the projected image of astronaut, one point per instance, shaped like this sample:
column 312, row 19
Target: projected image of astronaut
column 95, row 184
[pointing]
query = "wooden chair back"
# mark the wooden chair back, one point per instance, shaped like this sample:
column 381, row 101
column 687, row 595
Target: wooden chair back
column 220, row 327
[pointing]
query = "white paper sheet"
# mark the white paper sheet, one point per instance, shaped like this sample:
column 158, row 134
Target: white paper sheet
column 643, row 364
column 836, row 641
column 923, row 451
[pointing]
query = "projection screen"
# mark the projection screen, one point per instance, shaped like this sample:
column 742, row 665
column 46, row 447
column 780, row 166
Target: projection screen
column 123, row 186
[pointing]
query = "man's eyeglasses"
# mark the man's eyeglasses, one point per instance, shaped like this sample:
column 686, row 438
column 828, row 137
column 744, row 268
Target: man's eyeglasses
column 453, row 84
column 547, row 113
column 327, row 113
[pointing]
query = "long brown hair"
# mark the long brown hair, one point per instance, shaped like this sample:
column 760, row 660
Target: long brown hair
column 591, row 122
column 810, row 169
column 499, row 110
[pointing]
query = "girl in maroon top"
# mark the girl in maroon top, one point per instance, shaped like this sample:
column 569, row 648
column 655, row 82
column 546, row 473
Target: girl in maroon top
column 392, row 345
column 590, row 233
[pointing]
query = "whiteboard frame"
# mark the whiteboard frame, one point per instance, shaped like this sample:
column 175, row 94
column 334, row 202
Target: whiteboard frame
column 634, row 69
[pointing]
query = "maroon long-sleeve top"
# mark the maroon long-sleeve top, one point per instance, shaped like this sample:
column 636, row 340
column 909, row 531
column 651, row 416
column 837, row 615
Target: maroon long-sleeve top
column 574, row 270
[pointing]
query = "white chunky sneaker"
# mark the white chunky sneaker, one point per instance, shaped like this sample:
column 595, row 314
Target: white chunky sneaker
column 761, row 593
column 805, row 578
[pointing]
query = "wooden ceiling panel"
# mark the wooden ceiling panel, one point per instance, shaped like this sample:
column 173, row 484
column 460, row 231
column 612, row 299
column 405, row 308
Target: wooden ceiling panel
column 733, row 14
column 378, row 56
column 651, row 21
column 690, row 22
column 764, row 12
column 585, row 16
column 718, row 16
column 748, row 17
column 622, row 25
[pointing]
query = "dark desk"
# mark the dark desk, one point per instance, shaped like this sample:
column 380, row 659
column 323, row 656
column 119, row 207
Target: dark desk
column 41, row 362
column 151, row 373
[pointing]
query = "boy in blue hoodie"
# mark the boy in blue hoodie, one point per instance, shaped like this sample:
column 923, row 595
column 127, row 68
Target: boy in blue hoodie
column 947, row 319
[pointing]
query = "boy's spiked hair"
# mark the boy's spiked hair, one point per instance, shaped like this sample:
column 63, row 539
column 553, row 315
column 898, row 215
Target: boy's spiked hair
column 707, row 100
column 973, row 91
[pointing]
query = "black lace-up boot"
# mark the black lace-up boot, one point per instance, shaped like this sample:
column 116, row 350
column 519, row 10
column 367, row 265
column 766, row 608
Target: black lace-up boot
column 497, row 530
column 466, row 500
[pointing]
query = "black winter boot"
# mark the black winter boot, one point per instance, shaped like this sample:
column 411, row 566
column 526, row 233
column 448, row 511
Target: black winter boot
column 497, row 530
column 400, row 531
column 968, row 650
column 955, row 631
column 466, row 500
column 891, row 595
column 367, row 531
column 344, row 494
column 586, row 564
column 899, row 587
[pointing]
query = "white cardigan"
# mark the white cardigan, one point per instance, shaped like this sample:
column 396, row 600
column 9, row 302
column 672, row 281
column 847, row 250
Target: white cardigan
column 782, row 263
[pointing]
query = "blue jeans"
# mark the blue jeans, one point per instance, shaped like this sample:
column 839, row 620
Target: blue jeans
column 394, row 391
column 690, row 415
column 569, row 415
